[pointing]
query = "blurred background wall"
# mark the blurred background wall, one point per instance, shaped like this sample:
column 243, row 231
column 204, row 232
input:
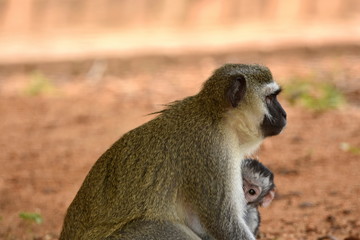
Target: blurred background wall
column 33, row 30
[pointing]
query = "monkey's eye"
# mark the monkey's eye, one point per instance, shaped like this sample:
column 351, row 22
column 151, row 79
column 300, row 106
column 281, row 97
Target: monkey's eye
column 252, row 192
column 270, row 98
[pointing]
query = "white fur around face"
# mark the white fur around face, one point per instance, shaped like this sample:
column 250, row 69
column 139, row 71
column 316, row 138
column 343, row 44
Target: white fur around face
column 245, row 123
column 270, row 88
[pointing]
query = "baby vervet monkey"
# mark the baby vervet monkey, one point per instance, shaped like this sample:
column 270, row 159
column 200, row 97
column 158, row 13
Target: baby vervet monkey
column 259, row 190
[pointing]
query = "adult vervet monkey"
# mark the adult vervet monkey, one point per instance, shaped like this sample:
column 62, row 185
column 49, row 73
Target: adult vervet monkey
column 143, row 186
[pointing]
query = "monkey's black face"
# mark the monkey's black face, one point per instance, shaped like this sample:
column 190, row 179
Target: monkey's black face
column 273, row 124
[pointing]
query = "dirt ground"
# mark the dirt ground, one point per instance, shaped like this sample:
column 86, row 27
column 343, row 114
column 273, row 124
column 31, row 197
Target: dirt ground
column 53, row 132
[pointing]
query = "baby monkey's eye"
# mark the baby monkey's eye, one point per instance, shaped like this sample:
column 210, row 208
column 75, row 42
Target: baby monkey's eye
column 252, row 192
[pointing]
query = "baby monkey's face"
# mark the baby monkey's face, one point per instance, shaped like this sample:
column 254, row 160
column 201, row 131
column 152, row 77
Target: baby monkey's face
column 255, row 196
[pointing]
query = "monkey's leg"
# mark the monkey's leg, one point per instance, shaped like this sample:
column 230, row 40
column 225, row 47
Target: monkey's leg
column 153, row 230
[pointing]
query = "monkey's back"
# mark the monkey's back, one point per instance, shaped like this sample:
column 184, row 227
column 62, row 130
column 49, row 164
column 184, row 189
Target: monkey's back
column 143, row 166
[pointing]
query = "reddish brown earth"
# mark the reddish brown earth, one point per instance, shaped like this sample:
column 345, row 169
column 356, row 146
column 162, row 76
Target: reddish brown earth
column 49, row 141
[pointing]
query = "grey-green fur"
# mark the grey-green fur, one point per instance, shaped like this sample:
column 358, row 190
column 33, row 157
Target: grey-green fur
column 179, row 155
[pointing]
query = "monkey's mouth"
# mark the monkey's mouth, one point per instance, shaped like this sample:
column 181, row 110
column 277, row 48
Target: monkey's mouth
column 272, row 127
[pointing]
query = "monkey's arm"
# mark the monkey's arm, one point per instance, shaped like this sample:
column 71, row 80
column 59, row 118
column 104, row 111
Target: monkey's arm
column 219, row 214
column 226, row 223
column 252, row 219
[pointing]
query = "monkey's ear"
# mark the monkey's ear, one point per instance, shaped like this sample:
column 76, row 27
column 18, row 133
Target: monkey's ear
column 268, row 198
column 236, row 92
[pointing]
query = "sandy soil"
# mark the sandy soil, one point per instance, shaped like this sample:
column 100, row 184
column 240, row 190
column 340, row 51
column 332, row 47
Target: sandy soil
column 49, row 141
